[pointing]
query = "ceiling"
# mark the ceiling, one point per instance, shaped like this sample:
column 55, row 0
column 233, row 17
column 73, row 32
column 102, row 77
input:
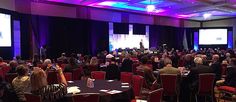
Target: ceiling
column 187, row 9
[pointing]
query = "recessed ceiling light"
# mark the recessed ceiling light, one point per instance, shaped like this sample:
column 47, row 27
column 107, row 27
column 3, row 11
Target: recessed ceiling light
column 207, row 15
column 150, row 8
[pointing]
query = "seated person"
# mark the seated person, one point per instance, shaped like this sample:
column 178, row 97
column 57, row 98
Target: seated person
column 148, row 74
column 47, row 65
column 230, row 79
column 13, row 64
column 63, row 58
column 71, row 65
column 112, row 70
column 48, row 93
column 195, row 71
column 168, row 69
column 2, row 63
column 7, row 93
column 21, row 83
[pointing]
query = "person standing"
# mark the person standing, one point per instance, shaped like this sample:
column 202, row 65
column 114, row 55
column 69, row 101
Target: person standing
column 43, row 51
column 141, row 45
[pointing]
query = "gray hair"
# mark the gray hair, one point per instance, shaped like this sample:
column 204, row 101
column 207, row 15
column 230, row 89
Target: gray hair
column 198, row 60
column 47, row 61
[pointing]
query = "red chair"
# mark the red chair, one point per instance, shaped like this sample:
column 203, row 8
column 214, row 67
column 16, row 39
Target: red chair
column 93, row 68
column 134, row 67
column 32, row 98
column 52, row 77
column 137, row 83
column 5, row 69
column 154, row 96
column 169, row 84
column 77, row 73
column 86, row 98
column 206, row 86
column 10, row 76
column 98, row 75
column 126, row 77
column 68, row 76
column 226, row 90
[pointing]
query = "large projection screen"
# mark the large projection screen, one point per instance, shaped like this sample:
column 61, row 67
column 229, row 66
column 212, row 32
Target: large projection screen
column 213, row 37
column 5, row 30
column 130, row 40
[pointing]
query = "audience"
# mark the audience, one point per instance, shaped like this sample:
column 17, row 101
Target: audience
column 21, row 83
column 48, row 93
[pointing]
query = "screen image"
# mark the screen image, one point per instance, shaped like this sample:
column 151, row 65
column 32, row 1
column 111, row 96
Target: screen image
column 5, row 30
column 212, row 36
column 130, row 40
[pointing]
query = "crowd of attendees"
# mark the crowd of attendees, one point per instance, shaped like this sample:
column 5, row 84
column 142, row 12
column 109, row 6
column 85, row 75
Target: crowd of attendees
column 32, row 74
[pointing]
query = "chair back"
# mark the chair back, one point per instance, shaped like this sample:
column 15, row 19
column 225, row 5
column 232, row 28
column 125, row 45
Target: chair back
column 93, row 68
column 98, row 75
column 156, row 95
column 10, row 76
column 126, row 77
column 32, row 98
column 5, row 69
column 86, row 98
column 52, row 77
column 134, row 67
column 77, row 73
column 206, row 83
column 137, row 83
column 169, row 84
column 68, row 76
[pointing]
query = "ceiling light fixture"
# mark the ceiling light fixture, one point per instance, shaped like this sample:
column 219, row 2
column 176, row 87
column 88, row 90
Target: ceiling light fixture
column 150, row 7
column 207, row 15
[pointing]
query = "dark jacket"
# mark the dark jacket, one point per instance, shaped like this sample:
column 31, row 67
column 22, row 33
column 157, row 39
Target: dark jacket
column 217, row 70
column 231, row 76
column 195, row 71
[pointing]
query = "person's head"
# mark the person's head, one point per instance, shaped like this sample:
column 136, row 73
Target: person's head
column 215, row 57
column 18, row 57
column 144, row 60
column 63, row 54
column 38, row 79
column 47, row 62
column 22, row 70
column 94, row 61
column 167, row 61
column 227, row 54
column 13, row 64
column 198, row 60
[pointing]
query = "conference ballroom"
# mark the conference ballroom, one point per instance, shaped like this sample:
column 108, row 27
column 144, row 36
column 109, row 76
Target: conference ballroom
column 117, row 50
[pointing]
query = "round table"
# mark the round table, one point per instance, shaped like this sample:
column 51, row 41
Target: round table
column 125, row 94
